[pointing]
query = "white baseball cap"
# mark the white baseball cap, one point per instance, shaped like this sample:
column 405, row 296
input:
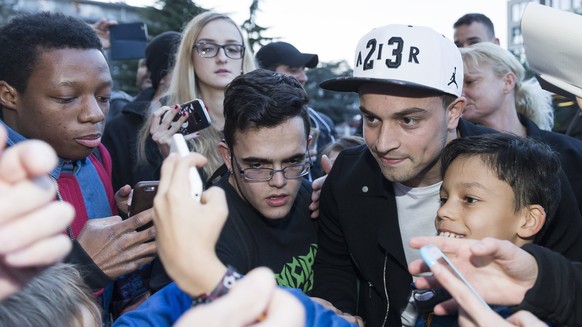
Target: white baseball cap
column 552, row 50
column 409, row 56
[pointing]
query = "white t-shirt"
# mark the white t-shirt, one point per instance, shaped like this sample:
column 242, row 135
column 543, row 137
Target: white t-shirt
column 417, row 209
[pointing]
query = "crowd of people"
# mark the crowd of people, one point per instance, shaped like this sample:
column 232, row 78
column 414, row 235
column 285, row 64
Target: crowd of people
column 296, row 226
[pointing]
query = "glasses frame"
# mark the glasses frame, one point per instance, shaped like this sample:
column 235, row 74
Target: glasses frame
column 307, row 166
column 223, row 47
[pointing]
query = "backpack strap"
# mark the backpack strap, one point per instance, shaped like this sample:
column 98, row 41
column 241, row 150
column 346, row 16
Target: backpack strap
column 101, row 160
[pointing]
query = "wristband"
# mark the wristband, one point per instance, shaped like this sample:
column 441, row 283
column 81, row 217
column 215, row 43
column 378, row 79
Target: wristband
column 225, row 284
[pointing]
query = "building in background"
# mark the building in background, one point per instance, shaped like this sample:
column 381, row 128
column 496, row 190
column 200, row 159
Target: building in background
column 89, row 11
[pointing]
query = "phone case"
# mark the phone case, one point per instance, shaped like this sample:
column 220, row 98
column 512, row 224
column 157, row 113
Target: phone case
column 198, row 117
column 179, row 146
column 142, row 197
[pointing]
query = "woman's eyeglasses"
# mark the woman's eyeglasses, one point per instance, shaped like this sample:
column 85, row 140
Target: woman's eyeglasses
column 210, row 50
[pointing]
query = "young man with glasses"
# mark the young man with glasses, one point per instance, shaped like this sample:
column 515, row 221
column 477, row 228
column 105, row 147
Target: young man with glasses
column 265, row 150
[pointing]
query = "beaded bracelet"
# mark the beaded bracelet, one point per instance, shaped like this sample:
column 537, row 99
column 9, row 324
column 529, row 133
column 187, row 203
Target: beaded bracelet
column 225, row 284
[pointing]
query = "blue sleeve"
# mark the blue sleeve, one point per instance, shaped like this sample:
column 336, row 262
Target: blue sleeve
column 161, row 309
column 316, row 314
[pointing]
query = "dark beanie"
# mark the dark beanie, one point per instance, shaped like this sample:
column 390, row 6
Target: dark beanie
column 160, row 54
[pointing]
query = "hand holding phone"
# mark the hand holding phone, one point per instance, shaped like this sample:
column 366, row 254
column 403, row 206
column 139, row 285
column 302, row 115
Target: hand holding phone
column 141, row 198
column 179, row 146
column 431, row 254
column 198, row 117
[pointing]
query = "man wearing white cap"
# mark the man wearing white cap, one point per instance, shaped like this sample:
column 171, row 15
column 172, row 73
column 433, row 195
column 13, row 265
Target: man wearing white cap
column 409, row 80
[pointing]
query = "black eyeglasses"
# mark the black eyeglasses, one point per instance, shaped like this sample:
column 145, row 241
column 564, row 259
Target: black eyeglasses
column 266, row 174
column 210, row 50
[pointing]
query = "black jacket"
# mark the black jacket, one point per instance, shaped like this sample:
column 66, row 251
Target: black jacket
column 557, row 293
column 570, row 150
column 121, row 139
column 361, row 263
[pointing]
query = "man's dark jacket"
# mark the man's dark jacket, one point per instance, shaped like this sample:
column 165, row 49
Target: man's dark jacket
column 361, row 263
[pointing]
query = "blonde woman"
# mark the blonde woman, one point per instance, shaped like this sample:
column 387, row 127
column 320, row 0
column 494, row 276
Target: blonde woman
column 498, row 97
column 497, row 91
column 211, row 54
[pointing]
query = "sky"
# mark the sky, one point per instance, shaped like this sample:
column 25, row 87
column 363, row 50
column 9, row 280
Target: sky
column 332, row 29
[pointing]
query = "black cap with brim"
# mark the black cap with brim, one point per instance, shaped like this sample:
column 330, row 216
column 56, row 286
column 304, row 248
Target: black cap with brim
column 353, row 84
column 308, row 60
column 283, row 53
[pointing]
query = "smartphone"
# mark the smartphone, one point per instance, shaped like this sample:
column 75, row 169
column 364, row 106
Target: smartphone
column 179, row 146
column 198, row 117
column 431, row 254
column 128, row 41
column 142, row 198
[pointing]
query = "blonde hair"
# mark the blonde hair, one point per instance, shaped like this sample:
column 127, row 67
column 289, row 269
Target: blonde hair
column 184, row 87
column 56, row 297
column 530, row 99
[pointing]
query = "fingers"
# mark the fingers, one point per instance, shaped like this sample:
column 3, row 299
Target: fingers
column 316, row 186
column 38, row 193
column 34, row 226
column 180, row 175
column 191, row 136
column 44, row 252
column 134, row 222
column 21, row 161
column 216, row 196
column 166, row 173
column 525, row 318
column 283, row 310
column 241, row 312
column 326, row 164
column 123, row 191
column 417, row 267
column 462, row 294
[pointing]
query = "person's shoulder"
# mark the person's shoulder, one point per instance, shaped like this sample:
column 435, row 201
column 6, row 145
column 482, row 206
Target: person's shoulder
column 563, row 138
column 466, row 128
column 315, row 114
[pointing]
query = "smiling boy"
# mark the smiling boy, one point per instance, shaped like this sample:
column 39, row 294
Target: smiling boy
column 495, row 185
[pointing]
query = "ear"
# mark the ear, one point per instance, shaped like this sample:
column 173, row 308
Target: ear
column 509, row 82
column 8, row 96
column 225, row 154
column 534, row 220
column 455, row 111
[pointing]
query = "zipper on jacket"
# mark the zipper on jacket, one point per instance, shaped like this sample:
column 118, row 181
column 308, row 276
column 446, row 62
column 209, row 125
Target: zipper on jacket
column 386, row 292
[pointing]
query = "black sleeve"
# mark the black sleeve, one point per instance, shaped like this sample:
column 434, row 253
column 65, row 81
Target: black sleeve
column 556, row 296
column 93, row 276
column 334, row 277
column 563, row 232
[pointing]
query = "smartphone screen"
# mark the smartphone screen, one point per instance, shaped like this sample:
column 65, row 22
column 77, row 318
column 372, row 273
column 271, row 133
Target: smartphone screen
column 431, row 254
column 198, row 117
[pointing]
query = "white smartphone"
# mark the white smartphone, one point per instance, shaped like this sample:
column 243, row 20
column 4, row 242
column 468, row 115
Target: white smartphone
column 431, row 254
column 179, row 146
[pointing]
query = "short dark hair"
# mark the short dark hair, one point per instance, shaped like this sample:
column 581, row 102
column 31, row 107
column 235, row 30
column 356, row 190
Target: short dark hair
column 24, row 37
column 262, row 98
column 470, row 18
column 531, row 168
